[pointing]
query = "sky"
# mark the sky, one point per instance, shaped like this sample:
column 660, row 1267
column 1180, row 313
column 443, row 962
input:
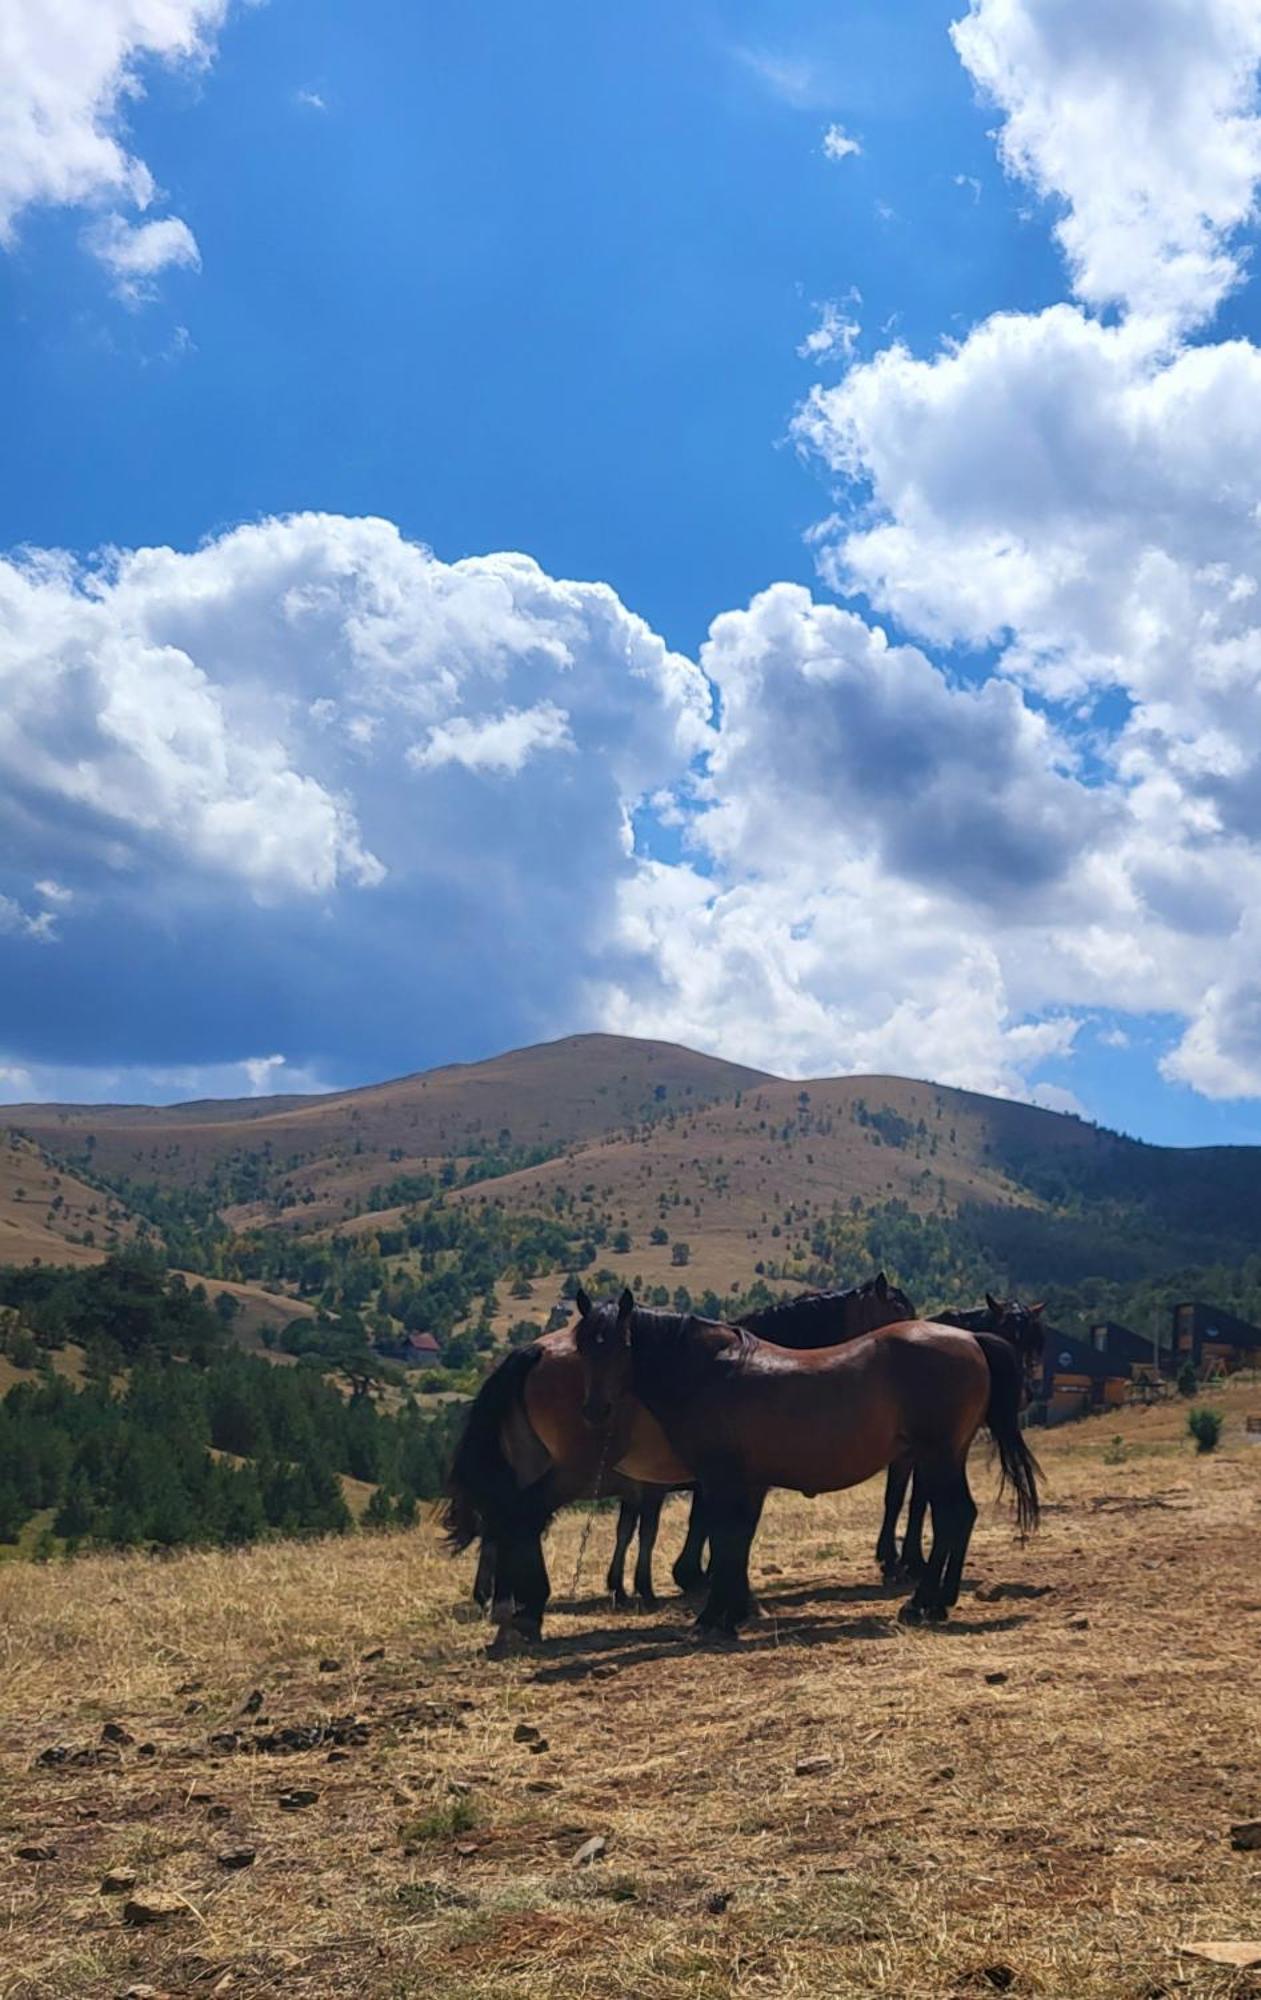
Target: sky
column 734, row 523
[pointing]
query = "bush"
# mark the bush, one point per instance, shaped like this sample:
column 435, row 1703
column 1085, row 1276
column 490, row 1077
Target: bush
column 1205, row 1426
column 1188, row 1380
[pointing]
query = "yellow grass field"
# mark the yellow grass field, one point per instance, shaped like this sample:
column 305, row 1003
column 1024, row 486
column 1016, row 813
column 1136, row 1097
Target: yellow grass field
column 1036, row 1799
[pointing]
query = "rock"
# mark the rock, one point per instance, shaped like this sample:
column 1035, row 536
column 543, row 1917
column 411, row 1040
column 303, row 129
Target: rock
column 1245, row 1836
column 118, row 1882
column 147, row 1750
column 36, row 1851
column 995, row 1680
column 297, row 1800
column 113, row 1732
column 330, row 1666
column 719, row 1902
column 604, row 1672
column 218, row 1812
column 253, row 1702
column 236, row 1857
column 195, row 1708
column 525, row 1732
column 812, row 1767
column 141, row 1993
column 1242, row 1952
column 338, row 1757
column 225, row 1741
column 1000, row 1977
column 466, row 1849
column 537, row 1749
column 153, row 1907
column 1080, row 1624
column 190, row 1687
column 375, row 1653
column 590, row 1851
column 768, row 1569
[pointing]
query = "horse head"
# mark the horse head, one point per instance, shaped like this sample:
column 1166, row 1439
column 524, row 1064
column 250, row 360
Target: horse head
column 878, row 1303
column 603, row 1340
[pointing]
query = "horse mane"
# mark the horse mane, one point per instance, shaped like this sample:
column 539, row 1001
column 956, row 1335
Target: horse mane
column 669, row 1355
column 788, row 1320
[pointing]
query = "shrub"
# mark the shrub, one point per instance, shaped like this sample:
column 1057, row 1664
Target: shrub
column 1188, row 1380
column 1205, row 1426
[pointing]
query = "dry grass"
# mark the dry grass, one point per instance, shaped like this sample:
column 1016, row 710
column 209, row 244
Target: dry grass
column 1057, row 1831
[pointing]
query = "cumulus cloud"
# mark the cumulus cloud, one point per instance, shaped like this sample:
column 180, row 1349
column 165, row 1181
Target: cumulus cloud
column 68, row 71
column 833, row 338
column 1143, row 123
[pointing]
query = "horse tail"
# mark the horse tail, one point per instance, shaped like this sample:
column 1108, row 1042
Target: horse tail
column 481, row 1485
column 1019, row 1466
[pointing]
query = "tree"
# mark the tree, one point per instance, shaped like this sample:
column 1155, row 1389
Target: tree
column 680, row 1253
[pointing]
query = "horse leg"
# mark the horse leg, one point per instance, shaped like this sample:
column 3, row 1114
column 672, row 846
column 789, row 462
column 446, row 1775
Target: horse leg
column 732, row 1518
column 484, row 1581
column 952, row 1575
column 895, row 1483
column 522, row 1588
column 628, row 1514
column 649, row 1520
column 946, row 1492
column 689, row 1570
column 913, row 1541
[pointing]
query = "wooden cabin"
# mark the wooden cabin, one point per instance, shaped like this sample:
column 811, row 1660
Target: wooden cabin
column 1078, row 1376
column 1213, row 1340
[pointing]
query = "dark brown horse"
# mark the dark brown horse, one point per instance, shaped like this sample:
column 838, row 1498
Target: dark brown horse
column 527, row 1448
column 744, row 1415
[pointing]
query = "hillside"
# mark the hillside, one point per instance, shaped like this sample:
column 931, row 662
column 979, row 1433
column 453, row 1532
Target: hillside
column 638, row 1160
column 47, row 1214
column 1037, row 1798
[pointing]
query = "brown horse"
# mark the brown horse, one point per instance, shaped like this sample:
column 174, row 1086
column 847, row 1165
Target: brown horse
column 745, row 1415
column 527, row 1449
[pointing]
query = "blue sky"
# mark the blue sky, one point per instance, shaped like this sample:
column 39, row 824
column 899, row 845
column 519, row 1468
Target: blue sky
column 310, row 806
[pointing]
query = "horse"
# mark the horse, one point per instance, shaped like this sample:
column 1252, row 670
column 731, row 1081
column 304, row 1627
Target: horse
column 811, row 1319
column 819, row 1319
column 1022, row 1327
column 525, row 1452
column 744, row 1415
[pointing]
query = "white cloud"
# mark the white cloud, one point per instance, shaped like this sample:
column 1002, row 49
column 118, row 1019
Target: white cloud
column 311, row 99
column 135, row 253
column 838, row 144
column 1144, row 122
column 495, row 742
column 16, row 922
column 833, row 338
column 794, row 79
column 68, row 70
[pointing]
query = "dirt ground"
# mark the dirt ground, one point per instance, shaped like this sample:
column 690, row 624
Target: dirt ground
column 1036, row 1799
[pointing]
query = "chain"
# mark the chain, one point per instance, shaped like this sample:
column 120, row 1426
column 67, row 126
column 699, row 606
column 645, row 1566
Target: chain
column 596, row 1496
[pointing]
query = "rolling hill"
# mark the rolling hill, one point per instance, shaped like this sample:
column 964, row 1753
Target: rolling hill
column 651, row 1147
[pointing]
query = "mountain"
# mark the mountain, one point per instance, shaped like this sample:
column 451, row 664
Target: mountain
column 754, row 1176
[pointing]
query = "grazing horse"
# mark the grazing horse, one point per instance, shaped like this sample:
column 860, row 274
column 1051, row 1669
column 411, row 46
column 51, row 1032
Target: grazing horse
column 526, row 1451
column 744, row 1415
column 1019, row 1325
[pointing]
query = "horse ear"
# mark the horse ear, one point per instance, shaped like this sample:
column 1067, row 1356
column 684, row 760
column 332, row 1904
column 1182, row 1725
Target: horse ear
column 993, row 1305
column 582, row 1302
column 626, row 1304
column 881, row 1286
column 1036, row 1312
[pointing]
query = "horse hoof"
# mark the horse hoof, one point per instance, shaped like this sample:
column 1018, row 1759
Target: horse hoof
column 936, row 1614
column 911, row 1614
column 720, row 1636
column 649, row 1601
column 621, row 1601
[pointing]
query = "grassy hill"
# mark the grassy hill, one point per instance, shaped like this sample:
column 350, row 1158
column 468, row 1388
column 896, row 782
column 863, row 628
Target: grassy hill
column 673, row 1167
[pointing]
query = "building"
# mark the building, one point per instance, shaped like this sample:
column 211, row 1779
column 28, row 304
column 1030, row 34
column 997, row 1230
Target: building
column 1132, row 1350
column 1078, row 1376
column 1213, row 1340
column 416, row 1350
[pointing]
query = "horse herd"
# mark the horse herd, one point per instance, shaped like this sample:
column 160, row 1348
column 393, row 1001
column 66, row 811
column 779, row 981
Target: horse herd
column 813, row 1395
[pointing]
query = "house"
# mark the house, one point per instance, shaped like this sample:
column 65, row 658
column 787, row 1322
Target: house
column 415, row 1350
column 1213, row 1340
column 1132, row 1350
column 1078, row 1376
